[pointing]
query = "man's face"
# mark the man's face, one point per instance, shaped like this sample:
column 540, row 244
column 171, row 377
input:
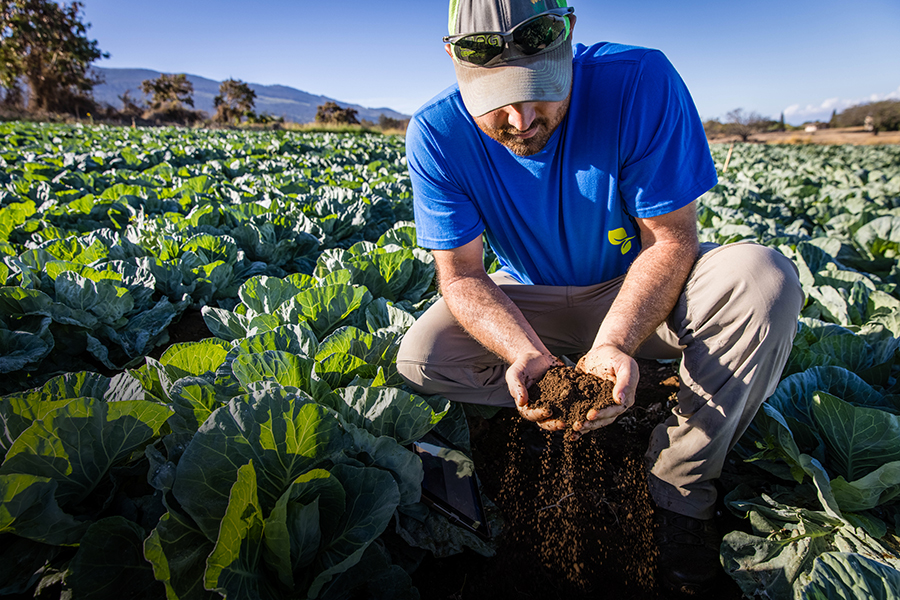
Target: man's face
column 524, row 127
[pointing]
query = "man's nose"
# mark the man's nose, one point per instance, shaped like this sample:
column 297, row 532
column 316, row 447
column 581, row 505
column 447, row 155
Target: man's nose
column 520, row 115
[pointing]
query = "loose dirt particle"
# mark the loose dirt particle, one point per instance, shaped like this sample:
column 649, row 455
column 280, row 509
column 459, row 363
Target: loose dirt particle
column 583, row 490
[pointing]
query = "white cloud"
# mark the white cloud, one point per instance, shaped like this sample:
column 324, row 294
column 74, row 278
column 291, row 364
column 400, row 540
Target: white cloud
column 796, row 113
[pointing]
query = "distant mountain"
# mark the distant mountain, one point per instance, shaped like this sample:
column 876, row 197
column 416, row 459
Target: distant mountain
column 276, row 100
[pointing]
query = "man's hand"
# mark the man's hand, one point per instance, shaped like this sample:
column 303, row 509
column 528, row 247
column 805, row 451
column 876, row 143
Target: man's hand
column 489, row 316
column 610, row 363
column 525, row 371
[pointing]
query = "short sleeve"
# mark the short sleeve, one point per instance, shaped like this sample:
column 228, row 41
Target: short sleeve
column 665, row 158
column 446, row 217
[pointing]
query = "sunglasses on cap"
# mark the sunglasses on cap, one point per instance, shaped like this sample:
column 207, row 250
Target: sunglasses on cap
column 537, row 34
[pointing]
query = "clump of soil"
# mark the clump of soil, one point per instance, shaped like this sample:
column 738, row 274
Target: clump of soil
column 570, row 394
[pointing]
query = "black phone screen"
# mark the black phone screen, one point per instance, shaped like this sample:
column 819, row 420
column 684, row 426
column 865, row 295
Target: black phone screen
column 450, row 486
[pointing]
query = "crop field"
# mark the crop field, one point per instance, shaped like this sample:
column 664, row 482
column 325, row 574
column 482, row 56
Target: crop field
column 270, row 458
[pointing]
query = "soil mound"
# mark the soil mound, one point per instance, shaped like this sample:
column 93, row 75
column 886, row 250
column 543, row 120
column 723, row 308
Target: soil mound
column 570, row 394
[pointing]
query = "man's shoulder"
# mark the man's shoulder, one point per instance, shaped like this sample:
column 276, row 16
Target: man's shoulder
column 443, row 109
column 610, row 53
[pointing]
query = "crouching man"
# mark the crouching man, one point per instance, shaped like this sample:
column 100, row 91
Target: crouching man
column 581, row 167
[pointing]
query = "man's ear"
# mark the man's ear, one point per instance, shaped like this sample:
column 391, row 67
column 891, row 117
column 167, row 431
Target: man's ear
column 448, row 50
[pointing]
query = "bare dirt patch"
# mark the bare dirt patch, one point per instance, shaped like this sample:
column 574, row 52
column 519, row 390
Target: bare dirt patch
column 844, row 135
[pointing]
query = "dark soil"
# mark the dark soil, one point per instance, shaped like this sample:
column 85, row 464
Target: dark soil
column 579, row 519
column 570, row 394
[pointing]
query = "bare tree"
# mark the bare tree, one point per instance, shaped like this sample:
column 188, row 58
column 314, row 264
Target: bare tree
column 742, row 124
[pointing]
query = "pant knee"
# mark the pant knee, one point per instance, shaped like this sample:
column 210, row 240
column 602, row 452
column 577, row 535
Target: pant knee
column 761, row 280
column 778, row 279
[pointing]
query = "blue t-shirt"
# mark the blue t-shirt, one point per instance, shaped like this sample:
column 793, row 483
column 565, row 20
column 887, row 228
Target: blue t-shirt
column 631, row 145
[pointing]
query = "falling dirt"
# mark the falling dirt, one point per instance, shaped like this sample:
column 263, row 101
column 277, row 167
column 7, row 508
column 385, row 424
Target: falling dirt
column 591, row 507
column 579, row 518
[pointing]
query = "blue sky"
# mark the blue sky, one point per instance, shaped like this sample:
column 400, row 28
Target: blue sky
column 802, row 58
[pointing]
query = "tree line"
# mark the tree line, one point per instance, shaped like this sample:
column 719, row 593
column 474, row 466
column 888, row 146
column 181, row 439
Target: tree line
column 873, row 116
column 45, row 60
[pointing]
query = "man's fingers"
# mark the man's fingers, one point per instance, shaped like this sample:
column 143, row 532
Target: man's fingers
column 541, row 416
column 600, row 418
column 610, row 411
column 625, row 384
column 519, row 393
column 552, row 425
column 534, row 414
column 586, row 426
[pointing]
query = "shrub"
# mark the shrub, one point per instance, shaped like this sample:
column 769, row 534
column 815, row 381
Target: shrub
column 332, row 112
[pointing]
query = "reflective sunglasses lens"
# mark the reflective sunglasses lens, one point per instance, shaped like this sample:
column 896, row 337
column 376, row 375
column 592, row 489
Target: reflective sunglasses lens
column 478, row 49
column 539, row 33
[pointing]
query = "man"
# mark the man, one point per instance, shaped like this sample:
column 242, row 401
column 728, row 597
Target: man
column 582, row 171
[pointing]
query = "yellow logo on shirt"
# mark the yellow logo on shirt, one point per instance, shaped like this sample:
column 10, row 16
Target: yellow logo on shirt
column 619, row 237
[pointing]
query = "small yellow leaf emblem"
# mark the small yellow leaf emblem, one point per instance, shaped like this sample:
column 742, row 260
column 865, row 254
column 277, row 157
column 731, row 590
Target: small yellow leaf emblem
column 619, row 237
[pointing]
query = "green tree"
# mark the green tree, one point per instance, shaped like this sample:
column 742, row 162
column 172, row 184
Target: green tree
column 235, row 100
column 44, row 45
column 169, row 92
column 331, row 112
column 883, row 115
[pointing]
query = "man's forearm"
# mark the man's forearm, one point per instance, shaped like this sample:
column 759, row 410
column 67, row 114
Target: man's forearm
column 489, row 316
column 648, row 294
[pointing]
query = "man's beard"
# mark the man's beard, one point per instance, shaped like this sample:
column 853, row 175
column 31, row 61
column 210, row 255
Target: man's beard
column 534, row 144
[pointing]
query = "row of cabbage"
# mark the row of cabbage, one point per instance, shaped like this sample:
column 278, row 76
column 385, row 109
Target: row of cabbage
column 108, row 235
column 268, row 461
column 819, row 468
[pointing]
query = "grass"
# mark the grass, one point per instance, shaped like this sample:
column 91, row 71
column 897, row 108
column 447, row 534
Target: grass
column 339, row 128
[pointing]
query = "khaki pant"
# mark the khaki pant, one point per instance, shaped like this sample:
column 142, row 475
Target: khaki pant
column 733, row 327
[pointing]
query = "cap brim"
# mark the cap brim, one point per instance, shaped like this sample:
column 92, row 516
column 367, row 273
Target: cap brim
column 544, row 77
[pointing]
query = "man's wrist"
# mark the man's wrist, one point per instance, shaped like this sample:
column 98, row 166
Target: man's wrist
column 535, row 356
column 619, row 347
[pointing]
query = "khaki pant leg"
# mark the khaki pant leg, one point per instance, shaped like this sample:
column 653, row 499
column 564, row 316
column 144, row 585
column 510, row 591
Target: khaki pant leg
column 438, row 357
column 736, row 321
